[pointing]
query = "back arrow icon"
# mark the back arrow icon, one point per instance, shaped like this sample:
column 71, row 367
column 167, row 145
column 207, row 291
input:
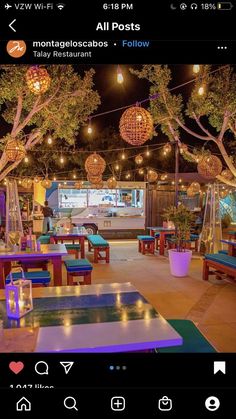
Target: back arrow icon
column 10, row 25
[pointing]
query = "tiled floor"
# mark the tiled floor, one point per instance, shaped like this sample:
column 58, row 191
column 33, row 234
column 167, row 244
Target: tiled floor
column 211, row 305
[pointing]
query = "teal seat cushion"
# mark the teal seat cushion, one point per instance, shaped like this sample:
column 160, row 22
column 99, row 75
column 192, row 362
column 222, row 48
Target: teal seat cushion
column 77, row 265
column 223, row 252
column 75, row 246
column 44, row 239
column 97, row 240
column 37, row 277
column 226, row 260
column 150, row 238
column 193, row 339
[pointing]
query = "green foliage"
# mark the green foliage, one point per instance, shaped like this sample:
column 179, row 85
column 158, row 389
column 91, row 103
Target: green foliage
column 182, row 218
column 166, row 105
column 66, row 105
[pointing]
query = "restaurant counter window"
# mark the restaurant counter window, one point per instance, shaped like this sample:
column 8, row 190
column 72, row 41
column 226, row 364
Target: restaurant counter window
column 73, row 198
column 131, row 197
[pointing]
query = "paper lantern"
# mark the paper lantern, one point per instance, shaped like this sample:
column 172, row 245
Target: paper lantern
column 27, row 183
column 224, row 193
column 46, row 183
column 37, row 179
column 183, row 148
column 37, row 79
column 78, row 184
column 195, row 186
column 14, row 149
column 136, row 125
column 138, row 159
column 112, row 182
column 19, row 297
column 94, row 179
column 190, row 192
column 152, row 176
column 209, row 167
column 167, row 148
column 227, row 174
column 163, row 177
column 95, row 165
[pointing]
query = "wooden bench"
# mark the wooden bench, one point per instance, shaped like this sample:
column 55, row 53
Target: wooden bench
column 73, row 248
column 78, row 267
column 38, row 278
column 146, row 244
column 99, row 245
column 221, row 264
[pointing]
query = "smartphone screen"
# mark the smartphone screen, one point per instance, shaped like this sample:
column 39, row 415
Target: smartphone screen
column 117, row 209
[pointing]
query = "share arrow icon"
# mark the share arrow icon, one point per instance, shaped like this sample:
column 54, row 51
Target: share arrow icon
column 67, row 366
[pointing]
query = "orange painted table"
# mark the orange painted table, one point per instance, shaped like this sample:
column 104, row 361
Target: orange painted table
column 163, row 231
column 53, row 252
column 62, row 237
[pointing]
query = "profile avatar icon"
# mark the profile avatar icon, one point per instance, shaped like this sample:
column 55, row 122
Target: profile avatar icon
column 212, row 403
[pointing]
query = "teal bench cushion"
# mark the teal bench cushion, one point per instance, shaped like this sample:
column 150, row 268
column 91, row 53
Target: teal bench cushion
column 226, row 260
column 149, row 238
column 193, row 339
column 44, row 239
column 77, row 265
column 75, row 246
column 37, row 277
column 223, row 252
column 97, row 240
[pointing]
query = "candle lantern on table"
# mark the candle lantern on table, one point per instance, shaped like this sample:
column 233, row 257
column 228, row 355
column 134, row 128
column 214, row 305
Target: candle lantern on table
column 19, row 296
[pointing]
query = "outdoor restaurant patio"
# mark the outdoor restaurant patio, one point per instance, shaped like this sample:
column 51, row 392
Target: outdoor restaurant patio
column 125, row 247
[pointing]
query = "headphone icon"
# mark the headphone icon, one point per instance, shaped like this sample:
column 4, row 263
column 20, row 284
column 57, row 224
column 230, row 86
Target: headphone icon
column 194, row 6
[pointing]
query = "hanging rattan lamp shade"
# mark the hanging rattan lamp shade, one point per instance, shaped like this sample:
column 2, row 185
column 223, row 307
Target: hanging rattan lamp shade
column 14, row 149
column 195, row 186
column 95, row 165
column 79, row 184
column 46, row 183
column 136, row 125
column 190, row 192
column 227, row 174
column 37, row 79
column 27, row 183
column 112, row 182
column 152, row 176
column 138, row 159
column 209, row 167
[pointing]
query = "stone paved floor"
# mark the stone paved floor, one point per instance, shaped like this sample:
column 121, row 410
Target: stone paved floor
column 211, row 305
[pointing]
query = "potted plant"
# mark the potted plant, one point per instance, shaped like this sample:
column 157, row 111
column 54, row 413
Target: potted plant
column 179, row 257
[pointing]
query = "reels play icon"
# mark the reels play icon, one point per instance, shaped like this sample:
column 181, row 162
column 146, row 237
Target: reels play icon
column 16, row 49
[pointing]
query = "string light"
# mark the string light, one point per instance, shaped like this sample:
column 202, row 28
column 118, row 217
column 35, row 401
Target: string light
column 49, row 140
column 119, row 76
column 147, row 152
column 128, row 175
column 54, row 178
column 62, row 160
column 90, row 129
column 65, row 183
column 74, row 176
column 141, row 172
column 180, row 180
column 196, row 68
column 19, row 181
column 117, row 167
column 166, row 149
column 123, row 156
column 201, row 90
column 26, row 159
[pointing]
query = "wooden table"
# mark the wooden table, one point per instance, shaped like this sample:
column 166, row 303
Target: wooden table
column 90, row 318
column 61, row 237
column 231, row 246
column 53, row 252
column 163, row 232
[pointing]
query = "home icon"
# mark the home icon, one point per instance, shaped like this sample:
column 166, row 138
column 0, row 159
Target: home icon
column 23, row 405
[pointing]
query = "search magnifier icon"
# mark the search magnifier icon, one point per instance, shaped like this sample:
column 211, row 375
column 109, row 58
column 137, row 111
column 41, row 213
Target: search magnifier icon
column 70, row 403
column 41, row 368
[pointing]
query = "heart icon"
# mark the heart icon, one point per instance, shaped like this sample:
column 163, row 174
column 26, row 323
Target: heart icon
column 16, row 367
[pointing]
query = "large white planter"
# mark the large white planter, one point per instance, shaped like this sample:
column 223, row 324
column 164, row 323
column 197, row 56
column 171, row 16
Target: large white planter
column 179, row 262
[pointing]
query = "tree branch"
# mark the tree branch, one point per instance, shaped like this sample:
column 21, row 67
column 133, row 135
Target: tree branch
column 194, row 134
column 18, row 113
column 224, row 127
column 197, row 119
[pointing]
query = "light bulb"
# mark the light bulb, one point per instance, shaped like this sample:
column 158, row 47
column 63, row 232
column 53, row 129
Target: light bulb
column 65, row 183
column 19, row 182
column 117, row 167
column 49, row 140
column 196, row 68
column 74, row 176
column 180, row 180
column 119, row 77
column 147, row 153
column 59, row 185
column 201, row 90
column 123, row 156
column 26, row 159
column 54, row 178
column 62, row 160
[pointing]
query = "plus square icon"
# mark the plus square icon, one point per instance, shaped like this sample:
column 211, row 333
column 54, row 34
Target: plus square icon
column 118, row 403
